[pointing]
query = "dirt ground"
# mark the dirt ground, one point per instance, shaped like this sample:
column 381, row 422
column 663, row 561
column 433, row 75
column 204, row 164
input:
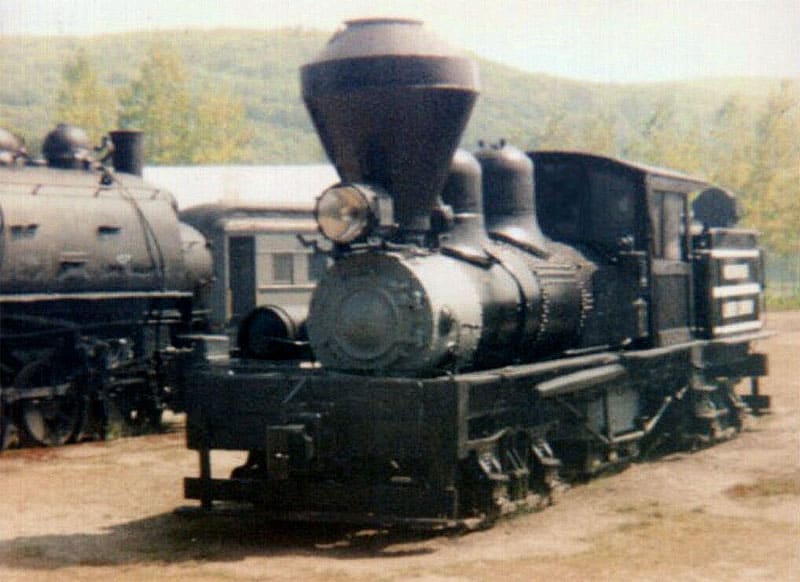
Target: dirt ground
column 102, row 511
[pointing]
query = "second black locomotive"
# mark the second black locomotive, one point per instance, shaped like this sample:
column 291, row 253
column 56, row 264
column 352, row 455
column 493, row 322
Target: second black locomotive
column 98, row 280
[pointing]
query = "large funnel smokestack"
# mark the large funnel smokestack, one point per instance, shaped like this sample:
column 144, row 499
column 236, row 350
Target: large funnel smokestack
column 390, row 101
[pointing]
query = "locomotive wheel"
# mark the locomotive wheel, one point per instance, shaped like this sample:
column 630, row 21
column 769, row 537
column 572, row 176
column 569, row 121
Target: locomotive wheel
column 717, row 414
column 51, row 420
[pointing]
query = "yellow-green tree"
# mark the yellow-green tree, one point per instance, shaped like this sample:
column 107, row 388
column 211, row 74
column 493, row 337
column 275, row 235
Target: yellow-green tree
column 599, row 135
column 158, row 102
column 83, row 100
column 729, row 153
column 773, row 190
column 558, row 133
column 220, row 129
column 179, row 128
column 666, row 141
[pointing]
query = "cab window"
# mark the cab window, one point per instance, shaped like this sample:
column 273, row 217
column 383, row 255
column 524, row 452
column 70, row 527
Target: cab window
column 283, row 268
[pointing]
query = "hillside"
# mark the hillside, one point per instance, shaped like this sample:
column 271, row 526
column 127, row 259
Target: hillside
column 743, row 134
column 261, row 69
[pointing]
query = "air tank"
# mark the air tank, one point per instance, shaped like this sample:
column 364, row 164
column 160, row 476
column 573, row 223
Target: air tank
column 389, row 101
column 275, row 333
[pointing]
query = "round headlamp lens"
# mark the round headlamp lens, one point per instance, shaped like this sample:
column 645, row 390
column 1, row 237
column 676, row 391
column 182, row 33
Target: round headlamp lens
column 343, row 213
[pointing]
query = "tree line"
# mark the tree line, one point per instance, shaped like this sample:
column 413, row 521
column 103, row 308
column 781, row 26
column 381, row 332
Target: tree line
column 180, row 127
column 748, row 146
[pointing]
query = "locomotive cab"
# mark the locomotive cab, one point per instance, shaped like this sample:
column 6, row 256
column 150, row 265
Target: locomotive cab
column 635, row 219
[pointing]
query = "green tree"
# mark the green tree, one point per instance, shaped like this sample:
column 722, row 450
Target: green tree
column 599, row 135
column 83, row 100
column 729, row 150
column 558, row 133
column 159, row 103
column 667, row 140
column 773, row 201
column 179, row 128
column 220, row 131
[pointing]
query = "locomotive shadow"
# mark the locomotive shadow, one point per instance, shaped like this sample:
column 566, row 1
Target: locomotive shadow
column 175, row 538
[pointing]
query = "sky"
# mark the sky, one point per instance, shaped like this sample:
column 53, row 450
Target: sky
column 598, row 40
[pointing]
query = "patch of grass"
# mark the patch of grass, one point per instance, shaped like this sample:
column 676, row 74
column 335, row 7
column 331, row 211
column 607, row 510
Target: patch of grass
column 789, row 485
column 29, row 552
column 115, row 430
column 626, row 509
column 97, row 562
column 782, row 302
column 651, row 508
column 634, row 526
column 680, row 546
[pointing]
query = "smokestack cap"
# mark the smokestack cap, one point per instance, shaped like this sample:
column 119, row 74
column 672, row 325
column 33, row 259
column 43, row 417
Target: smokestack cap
column 379, row 37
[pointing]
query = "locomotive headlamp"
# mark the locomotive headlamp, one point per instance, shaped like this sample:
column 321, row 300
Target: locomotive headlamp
column 347, row 212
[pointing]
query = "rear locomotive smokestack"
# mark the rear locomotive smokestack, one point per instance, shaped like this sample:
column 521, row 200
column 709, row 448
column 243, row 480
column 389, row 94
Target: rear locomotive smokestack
column 128, row 154
column 389, row 101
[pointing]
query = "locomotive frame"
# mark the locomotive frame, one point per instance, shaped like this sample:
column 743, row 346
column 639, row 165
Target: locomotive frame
column 463, row 448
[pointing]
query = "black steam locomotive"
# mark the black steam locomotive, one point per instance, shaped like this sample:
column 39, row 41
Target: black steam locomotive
column 490, row 324
column 97, row 280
